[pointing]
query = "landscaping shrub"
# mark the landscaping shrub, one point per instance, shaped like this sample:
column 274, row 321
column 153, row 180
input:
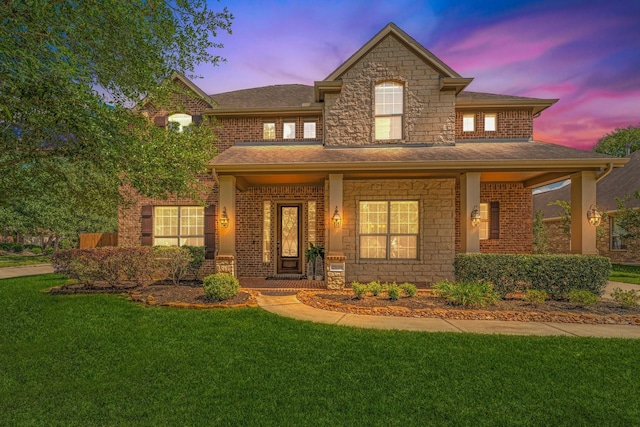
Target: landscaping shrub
column 468, row 294
column 49, row 251
column 17, row 248
column 220, row 286
column 359, row 289
column 409, row 288
column 555, row 274
column 138, row 264
column 197, row 259
column 582, row 298
column 374, row 287
column 627, row 299
column 393, row 290
column 535, row 296
column 174, row 262
column 36, row 251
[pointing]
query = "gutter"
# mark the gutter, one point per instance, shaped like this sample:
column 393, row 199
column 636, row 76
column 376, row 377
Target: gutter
column 605, row 173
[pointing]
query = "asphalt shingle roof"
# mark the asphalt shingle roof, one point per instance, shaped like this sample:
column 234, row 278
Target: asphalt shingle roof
column 289, row 95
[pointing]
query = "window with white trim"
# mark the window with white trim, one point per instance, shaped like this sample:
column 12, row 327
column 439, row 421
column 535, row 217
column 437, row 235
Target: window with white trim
column 179, row 121
column 309, row 130
column 617, row 232
column 289, row 130
column 388, row 229
column 490, row 122
column 389, row 100
column 468, row 122
column 178, row 226
column 268, row 131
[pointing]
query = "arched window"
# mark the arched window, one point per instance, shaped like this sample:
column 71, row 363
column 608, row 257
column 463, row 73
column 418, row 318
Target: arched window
column 389, row 101
column 180, row 120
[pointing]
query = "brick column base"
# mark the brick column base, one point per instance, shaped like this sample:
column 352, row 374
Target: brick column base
column 335, row 271
column 226, row 264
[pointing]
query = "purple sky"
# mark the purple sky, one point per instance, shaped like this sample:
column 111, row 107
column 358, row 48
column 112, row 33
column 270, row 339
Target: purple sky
column 587, row 53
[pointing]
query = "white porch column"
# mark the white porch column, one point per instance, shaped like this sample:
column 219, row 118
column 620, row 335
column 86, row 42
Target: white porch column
column 225, row 258
column 335, row 260
column 583, row 196
column 469, row 198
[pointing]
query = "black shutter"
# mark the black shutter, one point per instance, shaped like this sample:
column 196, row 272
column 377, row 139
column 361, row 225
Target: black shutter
column 494, row 220
column 210, row 232
column 197, row 120
column 147, row 225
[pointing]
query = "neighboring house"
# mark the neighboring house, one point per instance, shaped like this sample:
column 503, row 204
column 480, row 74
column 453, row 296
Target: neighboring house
column 383, row 163
column 618, row 184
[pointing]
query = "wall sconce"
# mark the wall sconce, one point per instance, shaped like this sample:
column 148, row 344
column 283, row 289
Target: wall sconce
column 475, row 216
column 337, row 220
column 594, row 216
column 224, row 218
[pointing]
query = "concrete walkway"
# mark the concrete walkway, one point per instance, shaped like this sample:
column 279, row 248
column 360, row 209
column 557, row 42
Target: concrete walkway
column 25, row 270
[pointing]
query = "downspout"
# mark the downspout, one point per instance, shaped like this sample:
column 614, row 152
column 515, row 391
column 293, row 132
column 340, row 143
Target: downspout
column 215, row 176
column 605, row 173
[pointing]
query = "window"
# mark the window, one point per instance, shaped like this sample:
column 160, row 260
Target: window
column 489, row 122
column 266, row 232
column 178, row 226
column 468, row 122
column 269, row 131
column 389, row 102
column 311, row 222
column 179, row 121
column 388, row 230
column 484, row 221
column 617, row 233
column 289, row 130
column 309, row 130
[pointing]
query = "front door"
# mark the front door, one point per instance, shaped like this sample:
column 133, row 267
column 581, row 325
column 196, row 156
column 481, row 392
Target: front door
column 289, row 234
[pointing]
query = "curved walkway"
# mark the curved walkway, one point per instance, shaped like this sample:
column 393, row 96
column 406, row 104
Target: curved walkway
column 25, row 270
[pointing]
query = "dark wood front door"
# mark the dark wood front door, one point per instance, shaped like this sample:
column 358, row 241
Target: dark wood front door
column 289, row 238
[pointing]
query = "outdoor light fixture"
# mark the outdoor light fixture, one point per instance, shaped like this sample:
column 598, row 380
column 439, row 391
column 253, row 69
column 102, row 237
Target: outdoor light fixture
column 594, row 216
column 224, row 218
column 337, row 220
column 475, row 216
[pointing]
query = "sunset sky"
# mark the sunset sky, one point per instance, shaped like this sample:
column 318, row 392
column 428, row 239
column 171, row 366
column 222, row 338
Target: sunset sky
column 587, row 53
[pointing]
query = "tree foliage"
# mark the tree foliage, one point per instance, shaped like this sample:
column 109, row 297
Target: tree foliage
column 565, row 215
column 70, row 71
column 615, row 143
column 628, row 218
column 540, row 235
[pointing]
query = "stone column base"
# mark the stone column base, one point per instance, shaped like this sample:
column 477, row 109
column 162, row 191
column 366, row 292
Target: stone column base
column 226, row 264
column 335, row 271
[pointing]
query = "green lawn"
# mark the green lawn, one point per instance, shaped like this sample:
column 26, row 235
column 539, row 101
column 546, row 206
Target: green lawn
column 625, row 273
column 14, row 260
column 101, row 360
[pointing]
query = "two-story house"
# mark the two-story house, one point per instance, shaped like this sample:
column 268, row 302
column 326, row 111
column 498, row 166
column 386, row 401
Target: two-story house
column 388, row 163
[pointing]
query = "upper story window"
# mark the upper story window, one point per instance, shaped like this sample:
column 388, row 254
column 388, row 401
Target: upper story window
column 490, row 122
column 289, row 130
column 309, row 130
column 179, row 121
column 269, row 131
column 389, row 109
column 468, row 122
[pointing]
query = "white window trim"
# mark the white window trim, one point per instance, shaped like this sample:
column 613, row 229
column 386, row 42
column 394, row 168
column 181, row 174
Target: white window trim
column 493, row 119
column 388, row 233
column 307, row 134
column 293, row 126
column 391, row 116
column 181, row 120
column 468, row 122
column 264, row 130
column 179, row 236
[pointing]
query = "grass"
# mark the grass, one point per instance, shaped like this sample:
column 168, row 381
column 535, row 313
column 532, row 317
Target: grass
column 625, row 273
column 15, row 260
column 102, row 360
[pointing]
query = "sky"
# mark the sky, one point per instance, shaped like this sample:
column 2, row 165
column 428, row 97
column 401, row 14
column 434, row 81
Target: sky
column 584, row 52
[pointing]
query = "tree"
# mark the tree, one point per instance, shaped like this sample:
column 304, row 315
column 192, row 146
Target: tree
column 70, row 71
column 565, row 214
column 540, row 235
column 628, row 218
column 615, row 143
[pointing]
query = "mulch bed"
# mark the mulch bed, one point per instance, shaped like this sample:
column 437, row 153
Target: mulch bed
column 426, row 304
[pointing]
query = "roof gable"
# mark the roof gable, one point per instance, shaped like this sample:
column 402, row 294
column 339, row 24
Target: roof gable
column 392, row 30
column 192, row 87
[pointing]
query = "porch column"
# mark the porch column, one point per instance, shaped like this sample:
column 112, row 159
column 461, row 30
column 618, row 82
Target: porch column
column 469, row 198
column 583, row 196
column 334, row 254
column 226, row 256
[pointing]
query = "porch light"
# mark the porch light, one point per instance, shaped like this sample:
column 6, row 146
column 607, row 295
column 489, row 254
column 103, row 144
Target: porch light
column 475, row 216
column 337, row 220
column 594, row 216
column 224, row 218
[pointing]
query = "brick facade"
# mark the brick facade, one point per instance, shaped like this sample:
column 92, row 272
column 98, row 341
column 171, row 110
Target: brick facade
column 516, row 219
column 510, row 124
column 436, row 233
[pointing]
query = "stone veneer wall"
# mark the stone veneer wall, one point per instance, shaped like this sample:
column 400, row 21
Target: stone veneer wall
column 249, row 225
column 429, row 113
column 435, row 242
column 559, row 243
column 516, row 218
column 515, row 124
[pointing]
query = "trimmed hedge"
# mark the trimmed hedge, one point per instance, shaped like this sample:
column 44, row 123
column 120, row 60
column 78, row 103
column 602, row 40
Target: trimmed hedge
column 221, row 286
column 555, row 274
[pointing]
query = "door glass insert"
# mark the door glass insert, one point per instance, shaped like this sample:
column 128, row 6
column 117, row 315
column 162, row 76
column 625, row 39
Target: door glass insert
column 290, row 231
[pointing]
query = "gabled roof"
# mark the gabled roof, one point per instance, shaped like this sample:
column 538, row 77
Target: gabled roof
column 287, row 95
column 466, row 99
column 619, row 183
column 393, row 30
column 195, row 89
